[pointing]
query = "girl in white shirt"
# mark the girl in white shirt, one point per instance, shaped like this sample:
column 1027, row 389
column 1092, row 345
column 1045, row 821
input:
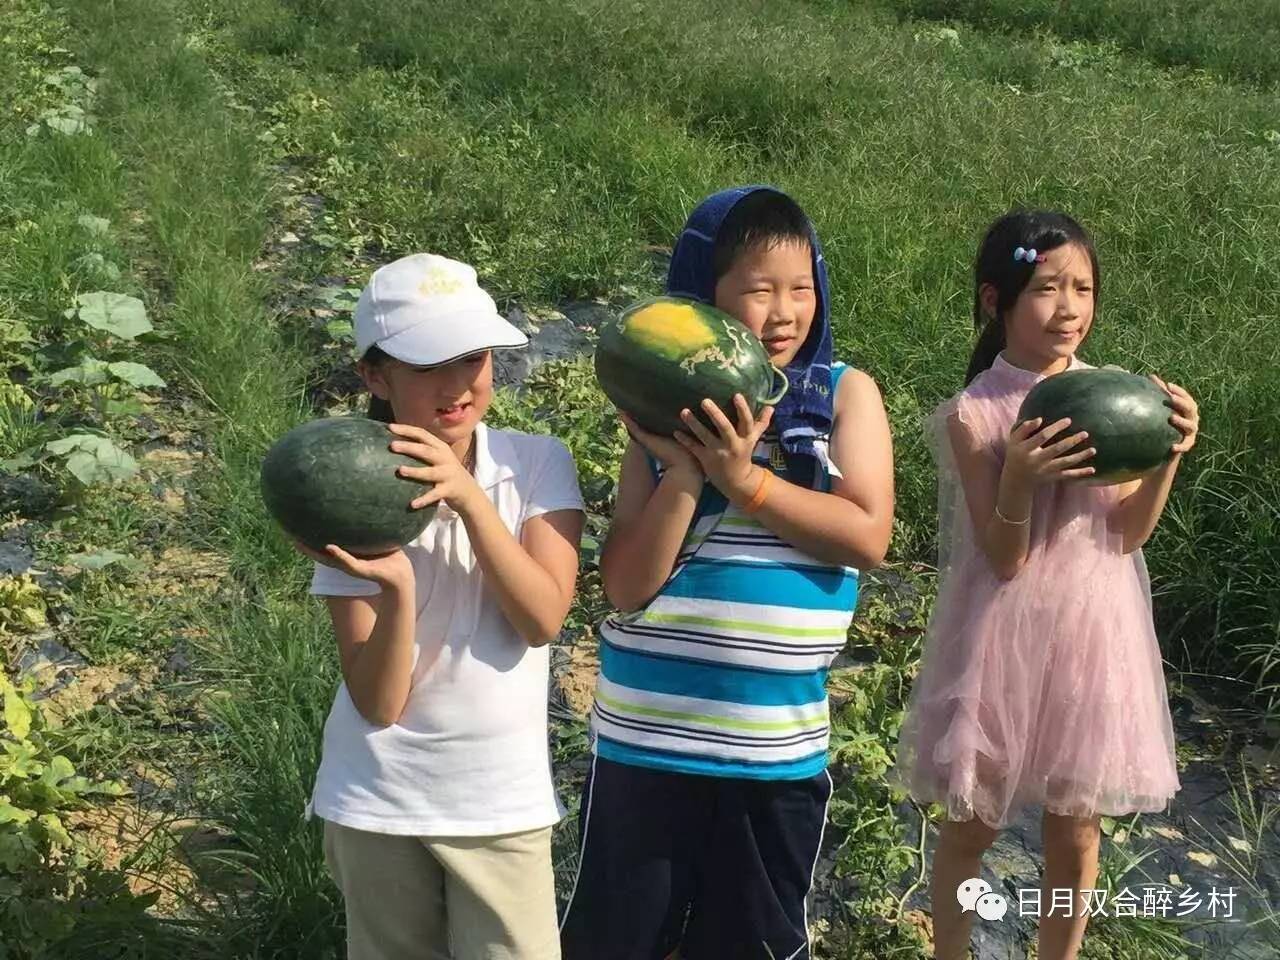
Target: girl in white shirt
column 435, row 783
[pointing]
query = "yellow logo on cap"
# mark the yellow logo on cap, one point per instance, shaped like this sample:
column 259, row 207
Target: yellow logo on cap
column 438, row 280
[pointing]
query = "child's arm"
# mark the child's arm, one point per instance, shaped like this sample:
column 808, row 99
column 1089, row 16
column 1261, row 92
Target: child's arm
column 375, row 633
column 1142, row 502
column 999, row 498
column 852, row 524
column 649, row 520
column 532, row 578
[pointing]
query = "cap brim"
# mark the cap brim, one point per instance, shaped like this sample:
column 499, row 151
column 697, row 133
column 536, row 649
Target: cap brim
column 426, row 345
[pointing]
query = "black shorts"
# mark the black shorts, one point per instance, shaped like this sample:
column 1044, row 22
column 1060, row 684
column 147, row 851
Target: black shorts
column 720, row 868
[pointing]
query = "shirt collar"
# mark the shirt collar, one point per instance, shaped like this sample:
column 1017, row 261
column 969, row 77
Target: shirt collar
column 1027, row 377
column 495, row 457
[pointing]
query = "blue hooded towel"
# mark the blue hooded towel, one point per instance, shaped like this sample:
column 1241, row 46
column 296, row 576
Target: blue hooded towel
column 804, row 415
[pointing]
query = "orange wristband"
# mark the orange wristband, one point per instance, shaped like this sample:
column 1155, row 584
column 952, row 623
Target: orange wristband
column 757, row 498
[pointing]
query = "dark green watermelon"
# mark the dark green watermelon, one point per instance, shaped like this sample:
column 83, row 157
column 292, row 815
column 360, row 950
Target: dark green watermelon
column 334, row 481
column 668, row 353
column 1127, row 417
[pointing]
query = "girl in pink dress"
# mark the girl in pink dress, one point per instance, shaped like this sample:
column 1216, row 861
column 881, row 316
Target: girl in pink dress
column 1041, row 681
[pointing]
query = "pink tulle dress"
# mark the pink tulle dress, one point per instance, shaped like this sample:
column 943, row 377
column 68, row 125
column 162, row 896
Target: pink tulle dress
column 1048, row 688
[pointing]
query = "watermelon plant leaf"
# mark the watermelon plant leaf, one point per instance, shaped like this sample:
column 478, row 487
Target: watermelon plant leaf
column 116, row 313
column 54, row 831
column 339, row 329
column 135, row 374
column 91, row 371
column 98, row 560
column 98, row 266
column 93, row 459
column 17, row 714
column 11, row 814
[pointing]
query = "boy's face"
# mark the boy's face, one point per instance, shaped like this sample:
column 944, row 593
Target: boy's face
column 770, row 291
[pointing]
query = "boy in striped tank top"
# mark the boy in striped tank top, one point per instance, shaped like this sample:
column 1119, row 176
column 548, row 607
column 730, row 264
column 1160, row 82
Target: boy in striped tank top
column 733, row 556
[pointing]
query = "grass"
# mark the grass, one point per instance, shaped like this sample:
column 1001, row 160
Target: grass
column 554, row 149
column 1237, row 41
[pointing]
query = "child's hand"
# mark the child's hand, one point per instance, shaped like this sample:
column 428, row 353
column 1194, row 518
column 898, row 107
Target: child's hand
column 386, row 569
column 666, row 450
column 1186, row 415
column 1035, row 457
column 725, row 456
column 451, row 481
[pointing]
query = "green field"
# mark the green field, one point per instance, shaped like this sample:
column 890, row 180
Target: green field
column 241, row 166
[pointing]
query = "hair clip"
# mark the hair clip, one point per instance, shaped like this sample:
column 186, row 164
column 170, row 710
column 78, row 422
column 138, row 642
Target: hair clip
column 1030, row 256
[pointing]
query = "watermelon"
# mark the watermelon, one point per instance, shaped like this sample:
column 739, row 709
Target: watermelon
column 666, row 354
column 1126, row 416
column 334, row 481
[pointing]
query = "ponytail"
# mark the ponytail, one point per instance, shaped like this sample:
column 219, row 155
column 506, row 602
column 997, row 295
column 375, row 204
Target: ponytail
column 990, row 343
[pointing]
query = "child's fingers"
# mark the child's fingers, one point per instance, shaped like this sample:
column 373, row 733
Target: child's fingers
column 316, row 555
column 1046, row 434
column 1077, row 473
column 696, row 427
column 422, row 451
column 435, row 494
column 431, row 474
column 1184, row 424
column 415, row 434
column 343, row 560
column 1071, row 459
column 1056, row 450
column 712, row 409
column 1026, row 429
column 746, row 419
column 766, row 418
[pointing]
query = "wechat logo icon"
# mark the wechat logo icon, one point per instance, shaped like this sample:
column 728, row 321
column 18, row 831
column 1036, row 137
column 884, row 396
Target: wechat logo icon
column 976, row 895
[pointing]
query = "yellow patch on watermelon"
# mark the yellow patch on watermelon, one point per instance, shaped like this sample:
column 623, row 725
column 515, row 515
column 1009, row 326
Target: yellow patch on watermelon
column 672, row 329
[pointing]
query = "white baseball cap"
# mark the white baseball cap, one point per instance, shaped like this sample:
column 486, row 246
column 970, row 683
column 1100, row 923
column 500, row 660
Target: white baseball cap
column 426, row 310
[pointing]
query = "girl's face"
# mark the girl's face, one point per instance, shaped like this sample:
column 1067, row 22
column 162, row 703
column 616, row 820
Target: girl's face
column 447, row 401
column 1054, row 312
column 770, row 291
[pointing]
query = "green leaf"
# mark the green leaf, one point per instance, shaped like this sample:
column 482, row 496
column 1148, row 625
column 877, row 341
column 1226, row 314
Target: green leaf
column 17, row 851
column 24, row 460
column 135, row 374
column 21, row 761
column 93, row 459
column 96, row 265
column 96, row 561
column 91, row 371
column 69, row 126
column 116, row 313
column 339, row 330
column 60, row 769
column 17, row 714
column 54, row 830
column 11, row 814
column 15, row 332
column 98, row 226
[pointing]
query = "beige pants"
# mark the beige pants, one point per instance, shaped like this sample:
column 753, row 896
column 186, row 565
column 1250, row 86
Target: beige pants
column 436, row 898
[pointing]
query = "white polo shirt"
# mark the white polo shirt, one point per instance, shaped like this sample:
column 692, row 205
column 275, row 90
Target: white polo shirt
column 469, row 755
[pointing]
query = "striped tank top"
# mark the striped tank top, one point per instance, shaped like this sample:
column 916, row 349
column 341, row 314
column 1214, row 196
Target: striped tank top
column 724, row 672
